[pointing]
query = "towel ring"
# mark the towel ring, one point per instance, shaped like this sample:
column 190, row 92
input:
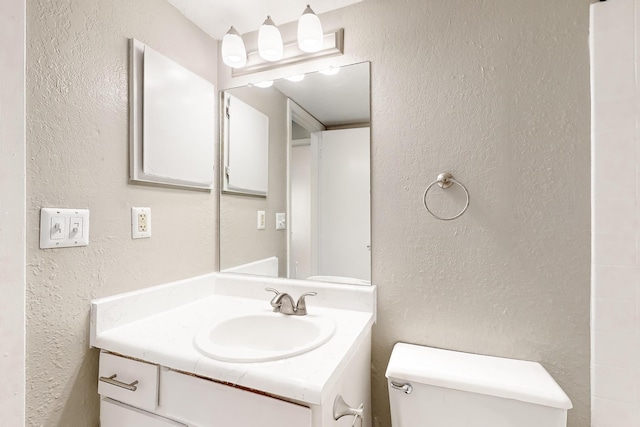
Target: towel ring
column 445, row 180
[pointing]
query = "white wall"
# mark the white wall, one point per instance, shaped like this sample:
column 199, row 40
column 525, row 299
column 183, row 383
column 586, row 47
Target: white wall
column 12, row 212
column 77, row 151
column 496, row 92
column 615, row 215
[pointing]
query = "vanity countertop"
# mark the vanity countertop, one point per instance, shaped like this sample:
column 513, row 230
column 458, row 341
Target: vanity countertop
column 165, row 337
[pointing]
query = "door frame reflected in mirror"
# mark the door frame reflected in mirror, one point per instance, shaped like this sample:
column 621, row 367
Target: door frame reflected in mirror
column 297, row 114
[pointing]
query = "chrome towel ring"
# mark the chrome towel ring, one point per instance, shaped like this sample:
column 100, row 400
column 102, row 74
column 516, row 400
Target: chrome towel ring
column 445, row 180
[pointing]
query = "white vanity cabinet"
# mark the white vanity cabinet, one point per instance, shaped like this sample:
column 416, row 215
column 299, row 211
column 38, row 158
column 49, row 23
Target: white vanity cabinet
column 152, row 375
column 152, row 396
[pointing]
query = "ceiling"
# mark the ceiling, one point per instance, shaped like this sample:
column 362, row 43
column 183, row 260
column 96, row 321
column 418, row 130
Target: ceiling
column 333, row 100
column 216, row 16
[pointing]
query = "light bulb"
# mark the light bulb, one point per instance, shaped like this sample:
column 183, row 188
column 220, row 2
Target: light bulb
column 310, row 33
column 234, row 54
column 264, row 85
column 331, row 71
column 296, row 78
column 270, row 41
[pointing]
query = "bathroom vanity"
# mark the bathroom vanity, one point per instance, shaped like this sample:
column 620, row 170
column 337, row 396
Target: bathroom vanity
column 152, row 372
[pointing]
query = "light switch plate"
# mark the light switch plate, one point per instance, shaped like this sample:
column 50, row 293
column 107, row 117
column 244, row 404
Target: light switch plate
column 262, row 220
column 281, row 222
column 63, row 228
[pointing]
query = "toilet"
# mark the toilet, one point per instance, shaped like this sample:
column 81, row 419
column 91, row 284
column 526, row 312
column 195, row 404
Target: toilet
column 431, row 387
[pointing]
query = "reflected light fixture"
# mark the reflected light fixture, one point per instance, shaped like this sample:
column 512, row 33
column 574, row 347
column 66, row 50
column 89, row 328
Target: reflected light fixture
column 270, row 45
column 234, row 54
column 264, row 85
column 331, row 71
column 296, row 78
column 310, row 35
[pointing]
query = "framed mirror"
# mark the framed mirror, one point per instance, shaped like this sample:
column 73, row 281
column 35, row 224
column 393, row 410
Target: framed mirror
column 313, row 219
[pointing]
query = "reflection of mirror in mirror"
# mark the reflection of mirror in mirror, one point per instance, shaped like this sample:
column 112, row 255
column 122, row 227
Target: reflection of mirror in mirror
column 314, row 221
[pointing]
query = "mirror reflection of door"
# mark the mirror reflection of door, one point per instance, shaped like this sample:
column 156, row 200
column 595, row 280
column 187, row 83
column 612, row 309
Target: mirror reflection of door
column 344, row 204
column 331, row 176
column 324, row 178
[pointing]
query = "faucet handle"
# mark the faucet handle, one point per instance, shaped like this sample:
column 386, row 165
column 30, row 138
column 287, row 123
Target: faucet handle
column 301, row 305
column 275, row 303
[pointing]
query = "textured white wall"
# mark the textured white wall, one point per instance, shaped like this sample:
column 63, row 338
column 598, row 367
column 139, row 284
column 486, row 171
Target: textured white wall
column 497, row 92
column 77, row 146
column 12, row 211
column 616, row 267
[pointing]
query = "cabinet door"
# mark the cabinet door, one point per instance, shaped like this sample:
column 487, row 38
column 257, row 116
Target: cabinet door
column 116, row 414
column 205, row 403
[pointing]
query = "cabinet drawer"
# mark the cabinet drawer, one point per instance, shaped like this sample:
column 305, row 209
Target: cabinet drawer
column 116, row 414
column 197, row 401
column 143, row 394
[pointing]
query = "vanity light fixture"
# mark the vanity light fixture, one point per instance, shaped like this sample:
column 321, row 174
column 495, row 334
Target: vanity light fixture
column 270, row 45
column 331, row 71
column 272, row 53
column 234, row 54
column 310, row 35
column 296, row 78
column 265, row 84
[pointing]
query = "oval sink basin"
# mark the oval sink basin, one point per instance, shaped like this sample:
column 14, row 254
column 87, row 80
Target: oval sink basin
column 263, row 337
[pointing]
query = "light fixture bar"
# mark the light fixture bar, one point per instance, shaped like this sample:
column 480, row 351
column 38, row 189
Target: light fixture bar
column 332, row 45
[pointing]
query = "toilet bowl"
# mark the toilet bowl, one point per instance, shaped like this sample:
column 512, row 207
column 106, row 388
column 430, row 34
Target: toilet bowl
column 431, row 387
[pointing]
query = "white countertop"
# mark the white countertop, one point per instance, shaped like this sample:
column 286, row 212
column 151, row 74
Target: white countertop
column 166, row 338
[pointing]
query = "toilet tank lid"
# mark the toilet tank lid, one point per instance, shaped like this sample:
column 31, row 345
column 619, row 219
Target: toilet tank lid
column 493, row 376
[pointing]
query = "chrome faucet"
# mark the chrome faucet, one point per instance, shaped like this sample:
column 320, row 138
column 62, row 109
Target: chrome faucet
column 283, row 303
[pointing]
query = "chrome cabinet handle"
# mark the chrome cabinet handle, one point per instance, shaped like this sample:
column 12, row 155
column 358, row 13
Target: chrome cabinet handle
column 112, row 380
column 407, row 388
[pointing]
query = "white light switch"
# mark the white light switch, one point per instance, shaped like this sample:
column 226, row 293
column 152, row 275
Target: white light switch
column 261, row 220
column 63, row 228
column 281, row 222
column 75, row 227
column 57, row 230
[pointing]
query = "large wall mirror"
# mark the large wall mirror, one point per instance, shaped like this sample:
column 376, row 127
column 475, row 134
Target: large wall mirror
column 311, row 217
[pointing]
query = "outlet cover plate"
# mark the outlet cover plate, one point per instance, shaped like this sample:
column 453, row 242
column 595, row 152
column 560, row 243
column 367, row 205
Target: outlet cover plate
column 140, row 223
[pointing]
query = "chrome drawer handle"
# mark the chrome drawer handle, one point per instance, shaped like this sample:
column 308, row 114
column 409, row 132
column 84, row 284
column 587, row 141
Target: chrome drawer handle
column 407, row 388
column 112, row 380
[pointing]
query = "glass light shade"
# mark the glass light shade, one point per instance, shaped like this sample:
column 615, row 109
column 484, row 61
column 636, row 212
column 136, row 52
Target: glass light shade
column 331, row 71
column 270, row 45
column 234, row 54
column 310, row 33
column 296, row 78
column 265, row 84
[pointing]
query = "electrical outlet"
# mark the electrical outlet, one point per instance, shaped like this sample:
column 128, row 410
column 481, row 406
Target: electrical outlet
column 140, row 223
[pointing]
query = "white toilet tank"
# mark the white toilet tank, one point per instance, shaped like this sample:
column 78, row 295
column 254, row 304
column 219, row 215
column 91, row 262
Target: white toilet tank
column 430, row 387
